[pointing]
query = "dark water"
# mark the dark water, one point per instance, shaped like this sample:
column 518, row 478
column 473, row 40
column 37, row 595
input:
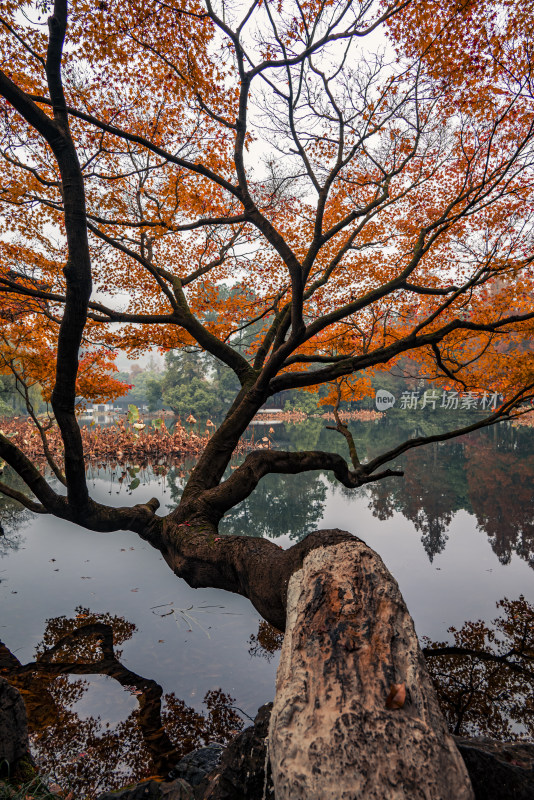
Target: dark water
column 457, row 532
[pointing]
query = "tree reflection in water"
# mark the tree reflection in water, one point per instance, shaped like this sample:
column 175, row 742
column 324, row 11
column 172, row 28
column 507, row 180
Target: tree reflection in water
column 85, row 755
column 13, row 517
column 485, row 680
column 282, row 505
column 430, row 493
column 500, row 476
column 488, row 474
column 266, row 642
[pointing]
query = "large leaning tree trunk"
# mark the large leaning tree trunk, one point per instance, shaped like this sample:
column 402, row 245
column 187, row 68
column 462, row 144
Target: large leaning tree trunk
column 355, row 713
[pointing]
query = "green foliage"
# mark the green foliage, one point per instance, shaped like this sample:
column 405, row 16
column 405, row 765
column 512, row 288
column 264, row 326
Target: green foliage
column 5, row 409
column 153, row 393
column 196, row 383
column 12, row 402
column 303, row 401
column 182, row 366
column 197, row 396
column 144, row 391
column 133, row 414
column 24, row 784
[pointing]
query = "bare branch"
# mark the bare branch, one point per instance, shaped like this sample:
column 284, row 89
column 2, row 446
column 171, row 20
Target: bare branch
column 23, row 499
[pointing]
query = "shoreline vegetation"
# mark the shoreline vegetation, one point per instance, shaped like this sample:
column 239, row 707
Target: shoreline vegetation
column 131, row 437
column 151, row 440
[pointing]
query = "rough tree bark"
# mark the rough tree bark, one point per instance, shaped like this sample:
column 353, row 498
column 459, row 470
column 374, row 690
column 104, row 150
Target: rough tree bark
column 336, row 732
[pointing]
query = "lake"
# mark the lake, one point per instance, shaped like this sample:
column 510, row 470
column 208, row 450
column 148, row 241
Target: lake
column 457, row 532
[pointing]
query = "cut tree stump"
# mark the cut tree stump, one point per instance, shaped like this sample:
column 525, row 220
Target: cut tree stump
column 334, row 734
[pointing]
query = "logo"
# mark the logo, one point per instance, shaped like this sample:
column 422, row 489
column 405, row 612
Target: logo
column 384, row 400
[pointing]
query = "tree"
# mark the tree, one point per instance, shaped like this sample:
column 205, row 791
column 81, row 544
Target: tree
column 367, row 209
column 195, row 383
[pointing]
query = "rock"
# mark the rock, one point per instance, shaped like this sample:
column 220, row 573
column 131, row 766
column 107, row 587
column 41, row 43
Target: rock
column 153, row 790
column 499, row 770
column 148, row 790
column 194, row 767
column 241, row 773
column 177, row 790
column 14, row 746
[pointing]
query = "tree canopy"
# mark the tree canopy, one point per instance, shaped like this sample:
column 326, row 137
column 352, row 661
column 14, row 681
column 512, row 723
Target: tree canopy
column 359, row 173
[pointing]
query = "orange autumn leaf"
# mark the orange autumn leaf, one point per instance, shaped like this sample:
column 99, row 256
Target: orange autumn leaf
column 397, row 696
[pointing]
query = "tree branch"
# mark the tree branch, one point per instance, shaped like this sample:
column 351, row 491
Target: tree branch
column 199, row 169
column 349, row 365
column 498, row 416
column 52, row 502
column 482, row 655
column 21, row 498
column 256, row 465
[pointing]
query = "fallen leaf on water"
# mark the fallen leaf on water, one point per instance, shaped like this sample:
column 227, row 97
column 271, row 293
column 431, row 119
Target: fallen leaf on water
column 397, row 695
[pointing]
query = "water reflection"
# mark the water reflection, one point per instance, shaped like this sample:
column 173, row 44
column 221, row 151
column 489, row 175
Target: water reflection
column 13, row 517
column 485, row 679
column 500, row 476
column 489, row 474
column 432, row 490
column 280, row 506
column 266, row 642
column 85, row 754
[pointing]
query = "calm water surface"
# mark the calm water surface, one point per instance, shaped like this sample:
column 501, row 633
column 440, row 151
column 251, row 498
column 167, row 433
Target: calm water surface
column 457, row 532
